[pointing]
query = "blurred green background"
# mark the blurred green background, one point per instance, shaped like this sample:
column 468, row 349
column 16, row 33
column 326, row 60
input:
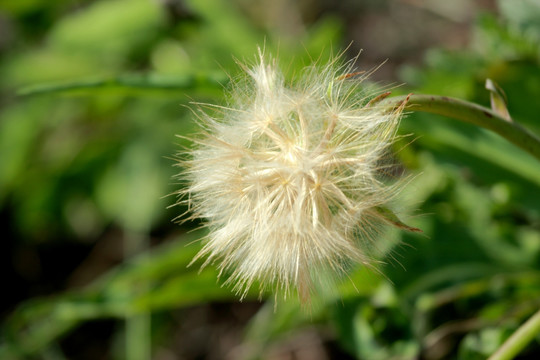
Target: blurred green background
column 92, row 94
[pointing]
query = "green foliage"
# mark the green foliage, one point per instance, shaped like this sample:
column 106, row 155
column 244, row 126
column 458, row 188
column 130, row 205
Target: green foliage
column 92, row 100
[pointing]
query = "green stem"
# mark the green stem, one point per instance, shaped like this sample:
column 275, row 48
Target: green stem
column 138, row 326
column 519, row 339
column 132, row 82
column 473, row 114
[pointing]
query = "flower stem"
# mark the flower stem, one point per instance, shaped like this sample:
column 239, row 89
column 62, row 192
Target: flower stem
column 519, row 339
column 473, row 114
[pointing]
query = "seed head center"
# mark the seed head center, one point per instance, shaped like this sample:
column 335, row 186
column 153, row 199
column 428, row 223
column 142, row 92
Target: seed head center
column 300, row 165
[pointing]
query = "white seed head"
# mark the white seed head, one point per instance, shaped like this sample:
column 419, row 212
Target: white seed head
column 288, row 177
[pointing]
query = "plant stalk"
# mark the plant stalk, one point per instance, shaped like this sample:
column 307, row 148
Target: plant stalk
column 471, row 113
column 138, row 326
column 519, row 339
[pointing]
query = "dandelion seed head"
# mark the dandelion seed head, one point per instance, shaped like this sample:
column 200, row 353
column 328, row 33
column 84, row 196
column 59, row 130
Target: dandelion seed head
column 288, row 177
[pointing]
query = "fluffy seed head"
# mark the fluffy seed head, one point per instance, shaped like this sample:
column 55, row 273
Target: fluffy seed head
column 288, row 177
